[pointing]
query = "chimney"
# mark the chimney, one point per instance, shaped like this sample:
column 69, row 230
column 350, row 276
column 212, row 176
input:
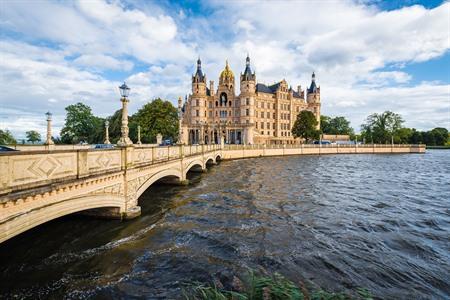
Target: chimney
column 299, row 89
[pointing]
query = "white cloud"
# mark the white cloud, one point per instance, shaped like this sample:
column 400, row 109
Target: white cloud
column 103, row 62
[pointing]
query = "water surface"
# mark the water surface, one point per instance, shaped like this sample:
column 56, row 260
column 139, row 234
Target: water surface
column 338, row 222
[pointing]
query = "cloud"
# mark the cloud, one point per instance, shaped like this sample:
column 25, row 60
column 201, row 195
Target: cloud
column 103, row 62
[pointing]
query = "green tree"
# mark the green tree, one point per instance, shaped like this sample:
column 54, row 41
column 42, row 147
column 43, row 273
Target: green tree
column 305, row 126
column 403, row 136
column 81, row 125
column 440, row 136
column 325, row 126
column 155, row 117
column 6, row 137
column 380, row 128
column 336, row 125
column 33, row 136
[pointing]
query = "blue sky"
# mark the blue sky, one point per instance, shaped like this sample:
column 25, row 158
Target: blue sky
column 369, row 56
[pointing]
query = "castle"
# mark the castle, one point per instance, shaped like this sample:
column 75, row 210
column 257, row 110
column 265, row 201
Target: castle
column 260, row 114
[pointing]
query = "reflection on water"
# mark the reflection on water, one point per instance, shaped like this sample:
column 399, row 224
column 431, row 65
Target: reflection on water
column 341, row 221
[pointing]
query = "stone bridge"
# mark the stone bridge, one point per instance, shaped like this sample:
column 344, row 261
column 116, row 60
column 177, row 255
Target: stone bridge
column 38, row 186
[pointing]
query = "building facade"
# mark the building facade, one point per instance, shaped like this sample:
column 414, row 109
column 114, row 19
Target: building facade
column 259, row 114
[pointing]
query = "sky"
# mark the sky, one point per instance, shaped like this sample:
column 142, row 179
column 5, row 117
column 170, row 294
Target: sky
column 368, row 56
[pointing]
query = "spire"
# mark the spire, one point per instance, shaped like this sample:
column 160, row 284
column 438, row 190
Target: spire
column 313, row 87
column 248, row 75
column 227, row 73
column 199, row 74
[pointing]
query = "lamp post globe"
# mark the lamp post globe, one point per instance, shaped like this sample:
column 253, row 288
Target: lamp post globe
column 49, row 116
column 106, row 123
column 124, row 90
column 124, row 139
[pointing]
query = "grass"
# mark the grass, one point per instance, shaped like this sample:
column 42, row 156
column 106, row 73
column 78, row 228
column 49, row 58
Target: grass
column 261, row 287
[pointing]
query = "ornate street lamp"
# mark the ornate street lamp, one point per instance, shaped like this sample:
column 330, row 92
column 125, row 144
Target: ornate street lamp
column 49, row 140
column 107, row 132
column 124, row 139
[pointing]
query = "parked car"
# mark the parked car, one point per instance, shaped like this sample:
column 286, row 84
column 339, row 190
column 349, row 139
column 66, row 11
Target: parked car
column 167, row 142
column 6, row 149
column 103, row 146
column 322, row 143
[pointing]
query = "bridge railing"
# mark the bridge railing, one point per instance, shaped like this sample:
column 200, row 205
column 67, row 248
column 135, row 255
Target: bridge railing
column 21, row 170
column 315, row 146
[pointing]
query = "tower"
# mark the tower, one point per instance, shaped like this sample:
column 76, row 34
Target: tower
column 199, row 80
column 313, row 99
column 247, row 101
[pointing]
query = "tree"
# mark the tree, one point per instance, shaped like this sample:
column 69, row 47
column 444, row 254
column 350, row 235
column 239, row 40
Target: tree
column 33, row 136
column 403, row 135
column 336, row 125
column 440, row 136
column 325, row 126
column 380, row 128
column 81, row 125
column 155, row 117
column 305, row 126
column 6, row 137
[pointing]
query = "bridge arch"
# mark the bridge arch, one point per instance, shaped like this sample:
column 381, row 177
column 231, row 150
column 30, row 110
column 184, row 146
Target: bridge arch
column 156, row 177
column 33, row 218
column 194, row 163
column 210, row 160
column 218, row 158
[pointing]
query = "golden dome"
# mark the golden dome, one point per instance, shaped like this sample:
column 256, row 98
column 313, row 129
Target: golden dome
column 226, row 73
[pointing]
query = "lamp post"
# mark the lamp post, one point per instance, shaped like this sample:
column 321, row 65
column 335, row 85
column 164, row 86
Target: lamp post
column 124, row 139
column 49, row 140
column 139, row 135
column 107, row 132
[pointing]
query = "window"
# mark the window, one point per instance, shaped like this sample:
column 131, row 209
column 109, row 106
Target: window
column 262, row 104
column 268, row 125
column 216, row 113
column 262, row 114
column 262, row 132
column 256, row 125
column 268, row 115
column 205, row 113
column 210, row 114
column 197, row 103
column 273, row 126
column 197, row 113
column 247, row 112
column 210, row 104
column 262, row 125
column 274, row 107
column 230, row 103
column 246, row 122
column 247, row 101
column 217, row 103
column 274, row 115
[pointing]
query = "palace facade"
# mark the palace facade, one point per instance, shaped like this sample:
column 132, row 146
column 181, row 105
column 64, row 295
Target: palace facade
column 260, row 114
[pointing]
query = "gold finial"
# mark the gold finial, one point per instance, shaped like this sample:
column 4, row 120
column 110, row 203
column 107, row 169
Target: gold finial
column 227, row 73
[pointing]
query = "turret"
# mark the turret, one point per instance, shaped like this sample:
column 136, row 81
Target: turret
column 248, row 78
column 199, row 80
column 313, row 98
column 313, row 91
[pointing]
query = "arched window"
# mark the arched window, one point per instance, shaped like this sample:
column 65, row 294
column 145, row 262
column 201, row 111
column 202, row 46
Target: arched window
column 217, row 103
column 223, row 99
column 230, row 103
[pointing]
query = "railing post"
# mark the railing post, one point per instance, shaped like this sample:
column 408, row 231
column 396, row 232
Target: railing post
column 153, row 154
column 82, row 167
